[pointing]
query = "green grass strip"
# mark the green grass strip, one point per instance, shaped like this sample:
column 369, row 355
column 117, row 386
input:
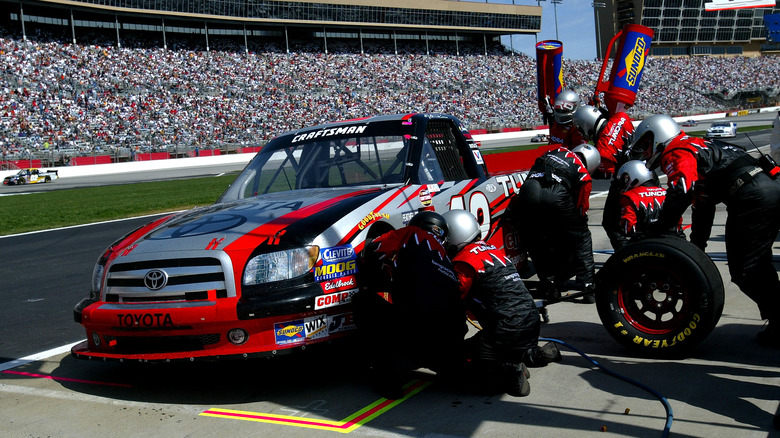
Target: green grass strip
column 60, row 208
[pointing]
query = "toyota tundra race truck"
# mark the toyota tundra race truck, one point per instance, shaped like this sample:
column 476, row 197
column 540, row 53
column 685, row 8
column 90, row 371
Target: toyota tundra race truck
column 271, row 267
column 31, row 176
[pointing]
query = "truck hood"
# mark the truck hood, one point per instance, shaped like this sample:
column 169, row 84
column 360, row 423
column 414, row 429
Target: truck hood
column 285, row 218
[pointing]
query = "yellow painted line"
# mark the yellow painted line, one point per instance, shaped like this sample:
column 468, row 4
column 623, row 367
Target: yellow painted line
column 346, row 425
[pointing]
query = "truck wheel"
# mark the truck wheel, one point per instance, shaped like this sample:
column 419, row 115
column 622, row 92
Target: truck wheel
column 47, row 179
column 659, row 297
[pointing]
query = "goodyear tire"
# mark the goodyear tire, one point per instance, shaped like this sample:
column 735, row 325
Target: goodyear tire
column 660, row 297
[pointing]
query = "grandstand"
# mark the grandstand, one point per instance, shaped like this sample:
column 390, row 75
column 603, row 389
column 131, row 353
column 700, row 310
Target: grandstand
column 149, row 95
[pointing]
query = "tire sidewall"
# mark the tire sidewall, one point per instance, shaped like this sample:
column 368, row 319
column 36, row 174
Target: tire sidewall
column 690, row 267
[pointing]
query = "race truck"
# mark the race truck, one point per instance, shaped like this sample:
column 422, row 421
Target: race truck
column 31, row 176
column 271, row 267
column 721, row 130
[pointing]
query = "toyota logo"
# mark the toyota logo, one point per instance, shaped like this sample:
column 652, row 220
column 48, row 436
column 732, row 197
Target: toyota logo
column 155, row 279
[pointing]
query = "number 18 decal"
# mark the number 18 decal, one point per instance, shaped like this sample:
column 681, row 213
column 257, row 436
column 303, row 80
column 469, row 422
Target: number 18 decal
column 479, row 206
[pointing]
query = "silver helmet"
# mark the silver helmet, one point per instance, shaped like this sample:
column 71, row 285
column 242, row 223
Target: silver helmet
column 651, row 137
column 566, row 103
column 588, row 120
column 589, row 155
column 633, row 174
column 464, row 229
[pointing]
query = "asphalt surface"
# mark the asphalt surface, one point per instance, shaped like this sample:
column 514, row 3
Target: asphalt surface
column 728, row 387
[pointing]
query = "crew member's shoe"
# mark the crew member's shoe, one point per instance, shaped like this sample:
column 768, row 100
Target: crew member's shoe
column 591, row 297
column 540, row 356
column 518, row 385
column 770, row 336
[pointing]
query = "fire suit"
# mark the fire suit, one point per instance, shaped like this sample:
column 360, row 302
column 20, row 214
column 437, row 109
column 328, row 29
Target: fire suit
column 565, row 134
column 551, row 213
column 640, row 207
column 495, row 294
column 409, row 309
column 612, row 142
column 706, row 173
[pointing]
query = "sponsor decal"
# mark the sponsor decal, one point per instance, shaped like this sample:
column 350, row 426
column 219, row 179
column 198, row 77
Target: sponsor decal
column 337, row 262
column 477, row 156
column 145, row 320
column 339, row 284
column 425, row 197
column 330, row 132
column 341, row 323
column 406, row 217
column 680, row 336
column 433, row 188
column 644, row 254
column 292, row 332
column 129, row 249
column 371, row 218
column 334, row 299
column 316, row 327
column 636, row 61
column 214, row 244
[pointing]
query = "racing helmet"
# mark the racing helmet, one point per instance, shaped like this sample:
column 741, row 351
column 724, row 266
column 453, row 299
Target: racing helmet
column 590, row 156
column 588, row 120
column 463, row 229
column 651, row 137
column 633, row 174
column 433, row 223
column 565, row 104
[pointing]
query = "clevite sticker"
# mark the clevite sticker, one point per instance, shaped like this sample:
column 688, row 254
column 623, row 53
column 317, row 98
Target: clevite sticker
column 337, row 262
column 335, row 299
column 292, row 332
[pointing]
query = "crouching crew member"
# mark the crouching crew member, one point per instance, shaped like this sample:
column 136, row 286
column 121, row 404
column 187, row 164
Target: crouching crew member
column 495, row 294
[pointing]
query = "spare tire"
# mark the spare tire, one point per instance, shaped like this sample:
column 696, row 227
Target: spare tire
column 659, row 297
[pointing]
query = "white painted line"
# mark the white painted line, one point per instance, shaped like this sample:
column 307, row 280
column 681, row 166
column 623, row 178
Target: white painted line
column 37, row 356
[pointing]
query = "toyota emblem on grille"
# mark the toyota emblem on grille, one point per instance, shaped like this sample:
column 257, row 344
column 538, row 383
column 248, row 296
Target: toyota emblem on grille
column 155, row 279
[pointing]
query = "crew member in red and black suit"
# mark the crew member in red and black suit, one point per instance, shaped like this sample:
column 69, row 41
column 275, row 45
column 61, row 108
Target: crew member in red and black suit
column 705, row 173
column 551, row 216
column 495, row 294
column 409, row 310
column 562, row 130
column 641, row 201
column 611, row 135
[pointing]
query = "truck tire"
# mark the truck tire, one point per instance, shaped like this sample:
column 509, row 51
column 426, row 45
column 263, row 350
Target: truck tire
column 47, row 179
column 659, row 297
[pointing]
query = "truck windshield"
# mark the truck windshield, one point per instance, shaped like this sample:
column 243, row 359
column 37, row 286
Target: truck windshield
column 329, row 162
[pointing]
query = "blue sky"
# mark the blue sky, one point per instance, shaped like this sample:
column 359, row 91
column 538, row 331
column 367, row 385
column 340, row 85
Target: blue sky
column 576, row 28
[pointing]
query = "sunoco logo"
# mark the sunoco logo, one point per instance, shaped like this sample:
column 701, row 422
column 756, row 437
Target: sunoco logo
column 337, row 254
column 635, row 61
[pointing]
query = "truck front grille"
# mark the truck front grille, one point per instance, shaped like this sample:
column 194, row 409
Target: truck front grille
column 166, row 280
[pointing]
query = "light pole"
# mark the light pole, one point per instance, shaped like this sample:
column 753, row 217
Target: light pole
column 555, row 11
column 596, row 6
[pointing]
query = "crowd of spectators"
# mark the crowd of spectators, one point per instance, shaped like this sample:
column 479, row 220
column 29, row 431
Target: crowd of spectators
column 54, row 93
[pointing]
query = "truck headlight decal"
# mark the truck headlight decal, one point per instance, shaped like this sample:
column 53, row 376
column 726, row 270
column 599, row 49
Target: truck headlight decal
column 280, row 265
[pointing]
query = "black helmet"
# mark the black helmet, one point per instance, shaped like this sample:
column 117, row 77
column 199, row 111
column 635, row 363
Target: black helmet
column 431, row 222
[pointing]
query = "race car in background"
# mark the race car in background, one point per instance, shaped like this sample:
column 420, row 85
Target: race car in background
column 721, row 130
column 31, row 176
column 271, row 267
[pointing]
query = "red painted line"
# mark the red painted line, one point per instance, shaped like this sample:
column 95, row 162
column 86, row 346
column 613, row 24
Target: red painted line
column 66, row 379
